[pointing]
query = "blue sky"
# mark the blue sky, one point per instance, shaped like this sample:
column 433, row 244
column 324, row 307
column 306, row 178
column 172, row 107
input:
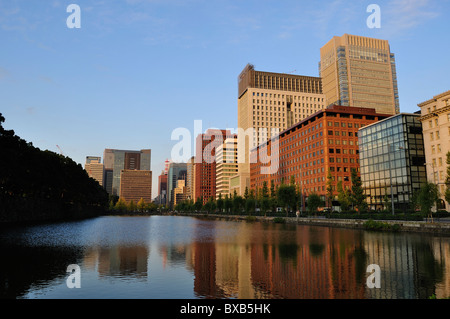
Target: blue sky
column 138, row 69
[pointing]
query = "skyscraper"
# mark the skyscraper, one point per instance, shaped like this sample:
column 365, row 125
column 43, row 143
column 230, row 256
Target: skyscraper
column 177, row 171
column 226, row 166
column 205, row 166
column 136, row 184
column 359, row 71
column 269, row 103
column 117, row 160
column 94, row 168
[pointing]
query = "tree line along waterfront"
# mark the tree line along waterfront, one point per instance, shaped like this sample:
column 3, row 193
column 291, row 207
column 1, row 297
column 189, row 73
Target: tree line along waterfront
column 38, row 185
column 287, row 200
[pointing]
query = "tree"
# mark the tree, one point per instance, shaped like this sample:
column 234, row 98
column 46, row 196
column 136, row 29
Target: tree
column 238, row 203
column 131, row 206
column 427, row 198
column 330, row 194
column 287, row 196
column 198, row 204
column 121, row 205
column 343, row 197
column 250, row 206
column 358, row 198
column 246, row 194
column 141, row 206
column 220, row 203
column 228, row 204
column 265, row 190
column 273, row 192
column 314, row 202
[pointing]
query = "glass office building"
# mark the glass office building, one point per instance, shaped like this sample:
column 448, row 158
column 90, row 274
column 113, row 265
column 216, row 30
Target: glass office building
column 392, row 154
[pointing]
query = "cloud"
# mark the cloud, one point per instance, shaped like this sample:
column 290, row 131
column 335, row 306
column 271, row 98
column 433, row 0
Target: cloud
column 400, row 16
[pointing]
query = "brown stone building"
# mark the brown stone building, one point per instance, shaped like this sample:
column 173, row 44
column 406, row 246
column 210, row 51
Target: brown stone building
column 205, row 166
column 327, row 141
column 135, row 185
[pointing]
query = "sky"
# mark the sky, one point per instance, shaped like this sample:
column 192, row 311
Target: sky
column 136, row 70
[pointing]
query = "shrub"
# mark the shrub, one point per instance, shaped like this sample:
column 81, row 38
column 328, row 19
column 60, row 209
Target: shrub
column 379, row 226
column 279, row 220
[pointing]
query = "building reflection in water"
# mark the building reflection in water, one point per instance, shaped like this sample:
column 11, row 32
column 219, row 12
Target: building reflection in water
column 300, row 262
column 268, row 261
column 117, row 261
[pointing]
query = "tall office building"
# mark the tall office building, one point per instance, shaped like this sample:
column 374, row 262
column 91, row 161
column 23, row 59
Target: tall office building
column 392, row 154
column 226, row 166
column 117, row 160
column 436, row 130
column 180, row 192
column 360, row 72
column 190, row 179
column 162, row 188
column 326, row 142
column 136, row 184
column 95, row 168
column 176, row 172
column 205, row 166
column 270, row 103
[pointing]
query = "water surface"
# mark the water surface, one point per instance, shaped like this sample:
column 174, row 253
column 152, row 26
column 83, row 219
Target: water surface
column 187, row 258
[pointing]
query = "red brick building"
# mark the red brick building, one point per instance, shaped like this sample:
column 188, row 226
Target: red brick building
column 205, row 163
column 327, row 141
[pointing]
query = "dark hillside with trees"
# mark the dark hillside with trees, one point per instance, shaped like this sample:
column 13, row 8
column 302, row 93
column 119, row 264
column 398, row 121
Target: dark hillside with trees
column 40, row 185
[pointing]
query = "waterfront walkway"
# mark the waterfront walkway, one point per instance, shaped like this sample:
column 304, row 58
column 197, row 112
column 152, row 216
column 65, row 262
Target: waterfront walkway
column 437, row 227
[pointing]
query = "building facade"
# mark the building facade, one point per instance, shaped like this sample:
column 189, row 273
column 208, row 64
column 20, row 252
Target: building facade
column 180, row 192
column 190, row 180
column 206, row 160
column 361, row 72
column 326, row 142
column 436, row 130
column 117, row 160
column 269, row 103
column 176, row 172
column 136, row 184
column 162, row 189
column 392, row 158
column 226, row 166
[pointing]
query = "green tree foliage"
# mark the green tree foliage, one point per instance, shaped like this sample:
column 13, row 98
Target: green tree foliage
column 238, row 204
column 358, row 198
column 141, row 206
column 287, row 197
column 314, row 202
column 330, row 193
column 121, row 206
column 427, row 198
column 38, row 185
column 228, row 204
column 220, row 203
column 198, row 204
column 343, row 197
